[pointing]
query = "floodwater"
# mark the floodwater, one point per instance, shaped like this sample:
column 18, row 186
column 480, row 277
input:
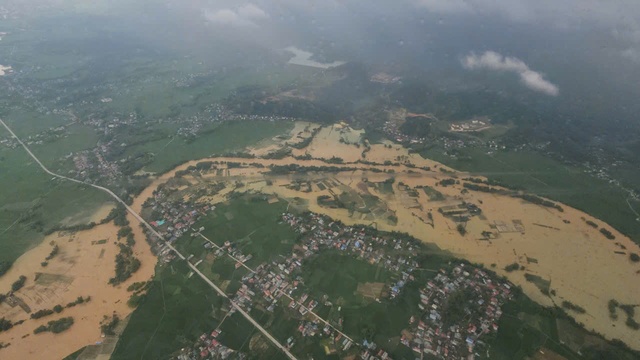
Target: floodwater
column 303, row 58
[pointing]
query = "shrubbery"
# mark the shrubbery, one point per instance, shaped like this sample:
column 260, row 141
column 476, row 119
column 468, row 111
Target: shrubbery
column 5, row 324
column 108, row 328
column 607, row 234
column 512, row 267
column 126, row 265
column 573, row 307
column 18, row 284
column 55, row 326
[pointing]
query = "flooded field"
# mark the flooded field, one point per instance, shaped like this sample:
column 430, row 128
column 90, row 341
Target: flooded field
column 559, row 256
column 82, row 267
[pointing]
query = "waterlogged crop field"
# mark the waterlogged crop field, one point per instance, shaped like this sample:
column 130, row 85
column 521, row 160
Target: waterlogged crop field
column 547, row 177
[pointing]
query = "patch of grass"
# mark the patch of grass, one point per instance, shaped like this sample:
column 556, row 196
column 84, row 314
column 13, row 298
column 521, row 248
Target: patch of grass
column 222, row 138
column 32, row 202
column 254, row 229
column 338, row 275
column 168, row 319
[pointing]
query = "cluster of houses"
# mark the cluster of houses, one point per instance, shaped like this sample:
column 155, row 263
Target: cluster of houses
column 176, row 218
column 471, row 125
column 392, row 129
column 281, row 282
column 210, row 347
column 91, row 165
column 280, row 279
column 322, row 232
column 48, row 135
column 481, row 297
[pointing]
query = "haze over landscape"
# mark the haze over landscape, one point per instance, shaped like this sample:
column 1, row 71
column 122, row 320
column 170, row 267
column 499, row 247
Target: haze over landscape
column 413, row 179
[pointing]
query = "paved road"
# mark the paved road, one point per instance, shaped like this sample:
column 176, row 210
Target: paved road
column 280, row 291
column 150, row 228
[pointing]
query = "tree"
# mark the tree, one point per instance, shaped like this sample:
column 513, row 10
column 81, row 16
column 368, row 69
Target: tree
column 18, row 284
column 4, row 267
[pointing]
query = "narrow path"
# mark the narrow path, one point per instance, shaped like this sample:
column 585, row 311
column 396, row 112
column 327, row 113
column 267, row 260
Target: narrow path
column 154, row 232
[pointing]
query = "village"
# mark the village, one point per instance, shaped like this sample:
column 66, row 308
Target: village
column 280, row 284
column 208, row 346
column 480, row 299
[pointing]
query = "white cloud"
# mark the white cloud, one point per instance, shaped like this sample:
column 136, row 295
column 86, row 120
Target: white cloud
column 251, row 11
column 242, row 16
column 492, row 60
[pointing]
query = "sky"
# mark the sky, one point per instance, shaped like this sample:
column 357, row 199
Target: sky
column 539, row 35
column 537, row 43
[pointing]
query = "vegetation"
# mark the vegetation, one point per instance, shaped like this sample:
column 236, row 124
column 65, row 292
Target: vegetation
column 447, row 182
column 18, row 284
column 135, row 300
column 4, row 267
column 58, row 308
column 541, row 175
column 55, row 326
column 592, row 224
column 139, row 285
column 634, row 257
column 607, row 234
column 173, row 315
column 613, row 307
column 108, row 328
column 542, row 284
column 461, row 229
column 482, row 188
column 53, row 252
column 512, row 267
column 540, row 201
column 295, row 168
column 126, row 265
column 119, row 215
column 41, row 313
column 78, row 301
column 124, row 231
column 457, row 306
column 334, row 160
column 5, row 324
column 416, row 126
column 573, row 307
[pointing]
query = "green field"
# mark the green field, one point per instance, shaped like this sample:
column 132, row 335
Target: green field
column 251, row 224
column 31, row 202
column 547, row 177
column 338, row 275
column 170, row 152
column 175, row 312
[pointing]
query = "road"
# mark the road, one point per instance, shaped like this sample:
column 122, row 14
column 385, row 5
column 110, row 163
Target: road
column 264, row 332
column 280, row 291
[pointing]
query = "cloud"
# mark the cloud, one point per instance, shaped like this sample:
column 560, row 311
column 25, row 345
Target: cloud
column 242, row 16
column 632, row 54
column 610, row 12
column 492, row 60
